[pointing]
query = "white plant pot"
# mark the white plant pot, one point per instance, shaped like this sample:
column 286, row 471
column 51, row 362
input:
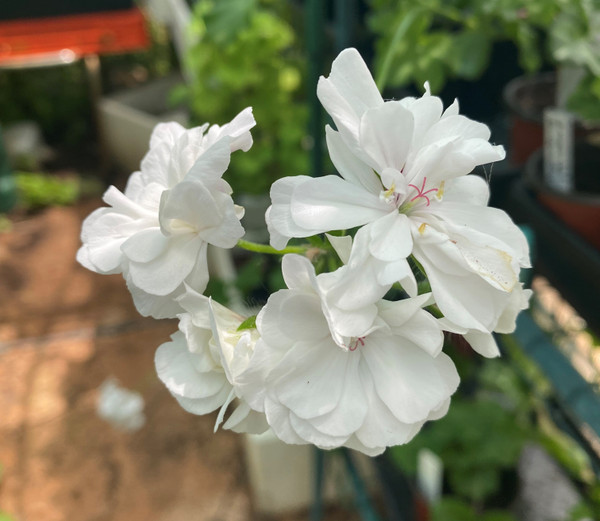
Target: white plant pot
column 127, row 119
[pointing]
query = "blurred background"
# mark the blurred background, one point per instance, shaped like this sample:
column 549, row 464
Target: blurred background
column 83, row 83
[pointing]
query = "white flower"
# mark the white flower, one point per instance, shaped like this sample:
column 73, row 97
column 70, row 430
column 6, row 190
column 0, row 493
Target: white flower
column 157, row 232
column 484, row 343
column 122, row 408
column 319, row 385
column 403, row 167
column 201, row 363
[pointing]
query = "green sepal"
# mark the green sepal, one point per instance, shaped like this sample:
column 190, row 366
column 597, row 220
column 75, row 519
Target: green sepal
column 249, row 323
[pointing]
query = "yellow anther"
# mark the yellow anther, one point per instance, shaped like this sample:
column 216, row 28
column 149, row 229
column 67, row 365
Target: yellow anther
column 440, row 193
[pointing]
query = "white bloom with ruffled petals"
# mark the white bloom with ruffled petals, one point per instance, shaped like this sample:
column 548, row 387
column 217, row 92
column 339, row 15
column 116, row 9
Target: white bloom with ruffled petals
column 319, row 385
column 156, row 233
column 201, row 363
column 404, row 182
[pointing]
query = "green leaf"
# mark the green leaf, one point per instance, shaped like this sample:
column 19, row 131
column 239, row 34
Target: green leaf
column 249, row 323
column 585, row 101
column 382, row 75
column 452, row 509
column 227, row 18
column 470, row 54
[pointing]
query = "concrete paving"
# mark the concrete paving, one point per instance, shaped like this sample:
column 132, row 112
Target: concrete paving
column 63, row 331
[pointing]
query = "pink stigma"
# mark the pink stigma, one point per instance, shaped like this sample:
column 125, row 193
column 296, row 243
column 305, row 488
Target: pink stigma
column 360, row 341
column 422, row 194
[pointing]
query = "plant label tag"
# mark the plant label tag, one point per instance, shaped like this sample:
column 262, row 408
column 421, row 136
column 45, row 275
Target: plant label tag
column 430, row 472
column 558, row 150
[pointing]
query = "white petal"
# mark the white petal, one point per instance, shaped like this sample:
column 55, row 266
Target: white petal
column 348, row 165
column 173, row 367
column 152, row 306
column 278, row 418
column 244, row 419
column 306, row 430
column 279, row 216
column 496, row 266
column 391, row 238
column 101, row 250
column 466, row 300
column 518, row 300
column 483, row 225
column 397, row 313
column 300, row 317
column 483, row 343
column 162, row 275
column 352, row 407
column 409, row 381
column 467, row 189
column 238, row 129
column 342, row 246
column 166, row 133
column 145, row 245
column 349, row 91
column 330, row 203
column 298, row 272
column 314, row 385
column 386, row 135
column 426, row 112
column 213, row 162
column 229, row 230
column 456, row 126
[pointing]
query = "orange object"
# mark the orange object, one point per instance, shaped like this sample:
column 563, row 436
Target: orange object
column 72, row 35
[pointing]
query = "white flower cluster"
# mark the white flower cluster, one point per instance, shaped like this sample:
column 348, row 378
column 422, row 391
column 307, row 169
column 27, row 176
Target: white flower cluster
column 328, row 360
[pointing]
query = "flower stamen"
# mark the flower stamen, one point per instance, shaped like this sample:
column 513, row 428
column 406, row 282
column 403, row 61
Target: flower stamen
column 421, row 193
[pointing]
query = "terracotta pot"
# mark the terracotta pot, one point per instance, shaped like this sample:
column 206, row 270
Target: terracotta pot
column 579, row 209
column 526, row 98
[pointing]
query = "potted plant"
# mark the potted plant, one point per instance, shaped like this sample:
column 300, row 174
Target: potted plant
column 440, row 42
column 574, row 50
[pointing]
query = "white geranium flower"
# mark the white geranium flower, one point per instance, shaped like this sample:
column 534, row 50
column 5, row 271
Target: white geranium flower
column 157, row 232
column 484, row 343
column 122, row 408
column 319, row 385
column 201, row 363
column 403, row 167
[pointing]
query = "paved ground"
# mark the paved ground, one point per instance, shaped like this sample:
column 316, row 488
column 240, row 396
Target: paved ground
column 63, row 331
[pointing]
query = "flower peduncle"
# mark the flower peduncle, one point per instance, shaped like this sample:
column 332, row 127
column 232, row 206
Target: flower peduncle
column 265, row 248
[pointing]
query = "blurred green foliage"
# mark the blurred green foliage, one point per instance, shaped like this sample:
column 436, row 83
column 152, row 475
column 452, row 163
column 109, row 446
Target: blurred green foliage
column 55, row 97
column 481, row 437
column 38, row 190
column 477, row 441
column 454, row 38
column 439, row 40
column 453, row 509
column 247, row 53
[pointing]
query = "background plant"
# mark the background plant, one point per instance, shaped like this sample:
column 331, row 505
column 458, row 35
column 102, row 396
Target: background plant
column 501, row 406
column 438, row 41
column 247, row 53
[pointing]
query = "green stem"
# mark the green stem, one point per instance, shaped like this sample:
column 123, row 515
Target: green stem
column 265, row 248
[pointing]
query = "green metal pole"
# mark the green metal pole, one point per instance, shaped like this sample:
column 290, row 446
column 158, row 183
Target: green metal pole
column 8, row 187
column 345, row 17
column 315, row 24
